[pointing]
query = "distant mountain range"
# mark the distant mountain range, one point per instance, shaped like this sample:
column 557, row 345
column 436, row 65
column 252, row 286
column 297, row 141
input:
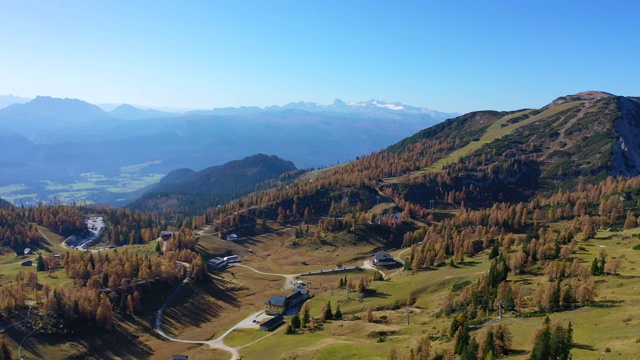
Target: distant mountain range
column 129, row 112
column 50, row 139
column 363, row 108
column 511, row 154
column 371, row 108
column 6, row 100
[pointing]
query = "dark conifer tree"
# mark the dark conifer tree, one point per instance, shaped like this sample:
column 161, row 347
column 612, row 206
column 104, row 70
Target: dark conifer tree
column 338, row 313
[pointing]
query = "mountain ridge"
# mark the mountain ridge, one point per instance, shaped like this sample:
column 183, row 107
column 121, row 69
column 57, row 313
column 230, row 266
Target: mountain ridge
column 212, row 185
column 10, row 99
column 130, row 112
column 370, row 108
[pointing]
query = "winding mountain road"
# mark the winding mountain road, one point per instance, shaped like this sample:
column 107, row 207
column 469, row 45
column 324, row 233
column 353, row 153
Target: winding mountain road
column 249, row 322
column 218, row 343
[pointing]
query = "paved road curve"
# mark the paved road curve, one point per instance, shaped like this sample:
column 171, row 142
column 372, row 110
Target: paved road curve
column 250, row 322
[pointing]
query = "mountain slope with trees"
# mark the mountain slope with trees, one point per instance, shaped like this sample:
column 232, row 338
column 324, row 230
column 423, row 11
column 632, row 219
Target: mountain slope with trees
column 585, row 136
column 213, row 185
column 5, row 203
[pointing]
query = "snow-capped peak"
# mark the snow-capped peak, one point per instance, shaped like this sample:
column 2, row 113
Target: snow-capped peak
column 378, row 104
column 387, row 106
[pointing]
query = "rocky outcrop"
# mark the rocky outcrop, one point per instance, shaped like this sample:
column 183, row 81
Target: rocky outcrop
column 626, row 151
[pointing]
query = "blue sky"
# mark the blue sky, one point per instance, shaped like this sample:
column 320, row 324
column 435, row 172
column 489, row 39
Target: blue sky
column 445, row 55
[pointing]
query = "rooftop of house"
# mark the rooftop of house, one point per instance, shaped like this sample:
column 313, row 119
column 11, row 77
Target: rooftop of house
column 273, row 321
column 382, row 256
column 276, row 300
column 295, row 296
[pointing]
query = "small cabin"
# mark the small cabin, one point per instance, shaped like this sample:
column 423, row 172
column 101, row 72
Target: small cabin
column 27, row 263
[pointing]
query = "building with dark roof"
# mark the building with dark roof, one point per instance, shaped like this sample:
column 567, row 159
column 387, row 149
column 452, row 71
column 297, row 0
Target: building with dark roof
column 296, row 298
column 278, row 304
column 275, row 305
column 382, row 259
column 272, row 323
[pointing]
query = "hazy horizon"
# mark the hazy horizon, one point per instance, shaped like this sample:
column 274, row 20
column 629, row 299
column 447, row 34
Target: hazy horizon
column 448, row 56
column 107, row 107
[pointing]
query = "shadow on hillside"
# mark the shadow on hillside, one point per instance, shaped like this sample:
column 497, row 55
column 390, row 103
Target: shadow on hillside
column 194, row 313
column 220, row 290
column 145, row 327
column 31, row 345
column 250, row 241
column 584, row 347
column 524, row 281
column 118, row 344
column 19, row 333
column 101, row 345
column 469, row 263
column 369, row 293
column 45, row 247
column 517, row 352
column 627, row 277
column 607, row 304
